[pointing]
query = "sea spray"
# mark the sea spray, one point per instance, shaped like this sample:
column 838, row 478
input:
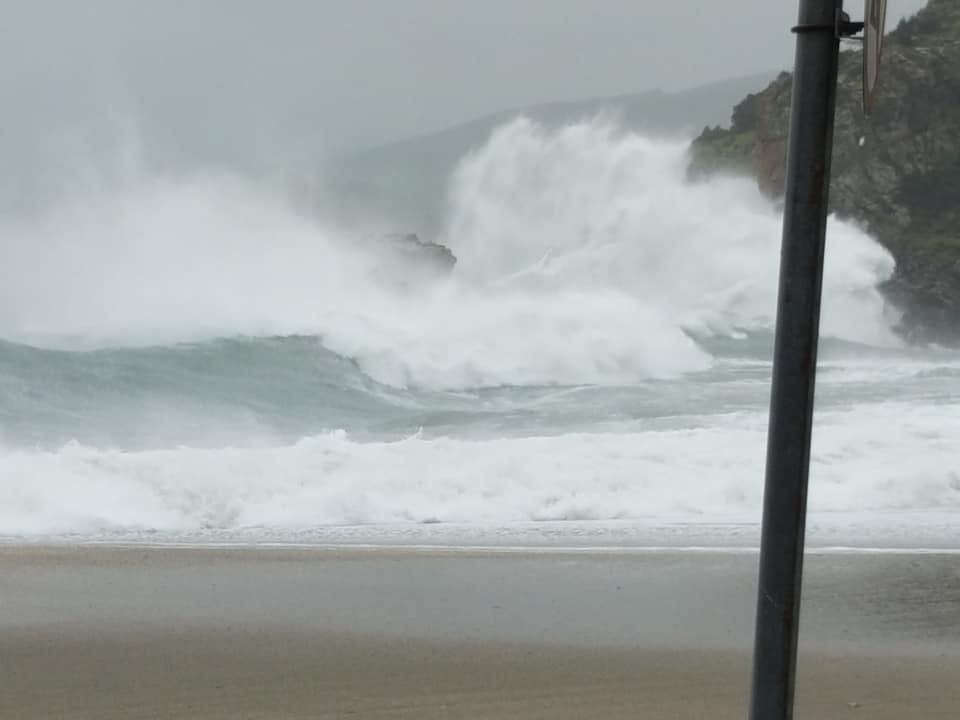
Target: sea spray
column 591, row 206
column 211, row 360
column 584, row 256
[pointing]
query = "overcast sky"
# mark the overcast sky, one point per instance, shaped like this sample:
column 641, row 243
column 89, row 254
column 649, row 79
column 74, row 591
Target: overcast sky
column 339, row 73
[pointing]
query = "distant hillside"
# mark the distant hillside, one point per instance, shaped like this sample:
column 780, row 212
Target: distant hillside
column 403, row 183
column 896, row 172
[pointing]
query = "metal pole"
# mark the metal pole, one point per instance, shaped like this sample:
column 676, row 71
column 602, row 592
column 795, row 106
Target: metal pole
column 795, row 359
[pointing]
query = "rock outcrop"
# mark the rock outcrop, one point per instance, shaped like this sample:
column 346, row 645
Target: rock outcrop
column 415, row 250
column 896, row 172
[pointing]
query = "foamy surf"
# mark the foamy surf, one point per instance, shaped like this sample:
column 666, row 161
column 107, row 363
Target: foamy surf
column 216, row 363
column 884, row 457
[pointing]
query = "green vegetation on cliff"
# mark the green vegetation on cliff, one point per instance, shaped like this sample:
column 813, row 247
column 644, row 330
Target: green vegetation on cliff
column 897, row 172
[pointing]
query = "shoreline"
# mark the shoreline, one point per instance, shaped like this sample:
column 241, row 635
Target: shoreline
column 464, row 550
column 925, row 532
column 672, row 597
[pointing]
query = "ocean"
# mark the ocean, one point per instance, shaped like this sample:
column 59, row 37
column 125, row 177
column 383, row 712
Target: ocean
column 193, row 358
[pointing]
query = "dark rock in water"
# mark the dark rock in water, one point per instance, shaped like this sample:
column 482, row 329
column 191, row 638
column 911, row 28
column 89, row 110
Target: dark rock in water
column 416, row 250
column 897, row 172
column 405, row 262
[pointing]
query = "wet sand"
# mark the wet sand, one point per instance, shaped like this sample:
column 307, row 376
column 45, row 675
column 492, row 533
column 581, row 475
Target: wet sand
column 101, row 632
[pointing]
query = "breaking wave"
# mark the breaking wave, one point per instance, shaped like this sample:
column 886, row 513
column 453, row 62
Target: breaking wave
column 584, row 257
column 180, row 354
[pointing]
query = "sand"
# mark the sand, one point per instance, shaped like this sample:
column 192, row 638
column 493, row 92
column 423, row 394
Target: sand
column 110, row 632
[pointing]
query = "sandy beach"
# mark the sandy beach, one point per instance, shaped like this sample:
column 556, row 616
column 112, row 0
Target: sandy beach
column 136, row 632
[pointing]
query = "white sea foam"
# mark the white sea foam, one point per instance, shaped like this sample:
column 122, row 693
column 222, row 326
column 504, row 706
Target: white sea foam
column 883, row 457
column 584, row 257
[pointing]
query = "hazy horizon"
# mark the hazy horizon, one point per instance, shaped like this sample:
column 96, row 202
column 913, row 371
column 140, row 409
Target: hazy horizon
column 222, row 79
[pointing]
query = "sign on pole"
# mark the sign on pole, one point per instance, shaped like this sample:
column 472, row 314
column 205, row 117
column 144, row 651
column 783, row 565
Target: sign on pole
column 875, row 19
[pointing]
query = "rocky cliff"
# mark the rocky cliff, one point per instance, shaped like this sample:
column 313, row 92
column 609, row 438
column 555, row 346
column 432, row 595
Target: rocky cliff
column 896, row 172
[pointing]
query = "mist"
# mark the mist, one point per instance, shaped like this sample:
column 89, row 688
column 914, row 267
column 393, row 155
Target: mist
column 275, row 88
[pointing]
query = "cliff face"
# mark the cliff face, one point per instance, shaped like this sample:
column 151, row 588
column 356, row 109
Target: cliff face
column 897, row 172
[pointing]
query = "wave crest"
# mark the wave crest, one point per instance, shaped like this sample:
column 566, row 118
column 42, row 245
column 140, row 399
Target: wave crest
column 584, row 258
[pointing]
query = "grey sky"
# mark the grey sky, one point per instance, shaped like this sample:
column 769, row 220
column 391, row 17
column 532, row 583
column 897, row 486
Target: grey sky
column 335, row 73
